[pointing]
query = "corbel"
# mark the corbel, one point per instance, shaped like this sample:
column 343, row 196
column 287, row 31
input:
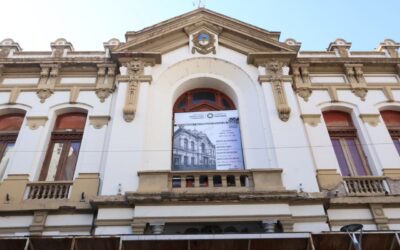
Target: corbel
column 48, row 77
column 379, row 217
column 276, row 78
column 35, row 122
column 301, row 80
column 99, row 121
column 135, row 64
column 356, row 79
column 105, row 82
column 274, row 63
column 371, row 119
column 38, row 222
column 311, row 119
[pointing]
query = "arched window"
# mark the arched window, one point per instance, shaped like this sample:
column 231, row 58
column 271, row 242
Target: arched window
column 349, row 153
column 62, row 154
column 203, row 100
column 9, row 128
column 392, row 121
column 210, row 122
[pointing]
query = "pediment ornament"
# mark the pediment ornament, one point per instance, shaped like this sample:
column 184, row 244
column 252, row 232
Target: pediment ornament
column 203, row 42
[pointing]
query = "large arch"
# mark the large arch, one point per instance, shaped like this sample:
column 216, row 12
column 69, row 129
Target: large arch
column 213, row 73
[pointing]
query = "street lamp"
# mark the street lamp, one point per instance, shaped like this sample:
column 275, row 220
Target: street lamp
column 351, row 230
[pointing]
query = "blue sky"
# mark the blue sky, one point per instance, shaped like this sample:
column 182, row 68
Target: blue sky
column 89, row 23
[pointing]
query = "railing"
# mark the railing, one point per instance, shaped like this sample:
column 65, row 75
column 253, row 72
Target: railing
column 48, row 190
column 366, row 185
column 215, row 180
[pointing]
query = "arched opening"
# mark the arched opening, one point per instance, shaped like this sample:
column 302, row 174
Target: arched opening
column 392, row 121
column 208, row 120
column 10, row 125
column 63, row 151
column 347, row 147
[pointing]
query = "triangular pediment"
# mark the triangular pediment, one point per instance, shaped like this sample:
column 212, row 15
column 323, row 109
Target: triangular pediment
column 234, row 34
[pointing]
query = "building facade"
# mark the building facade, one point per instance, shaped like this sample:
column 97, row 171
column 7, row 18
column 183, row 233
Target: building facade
column 88, row 146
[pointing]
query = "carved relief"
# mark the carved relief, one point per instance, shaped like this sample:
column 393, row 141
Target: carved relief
column 4, row 52
column 203, row 42
column 274, row 72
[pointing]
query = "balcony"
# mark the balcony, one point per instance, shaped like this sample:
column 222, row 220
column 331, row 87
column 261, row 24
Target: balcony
column 366, row 185
column 210, row 181
column 48, row 190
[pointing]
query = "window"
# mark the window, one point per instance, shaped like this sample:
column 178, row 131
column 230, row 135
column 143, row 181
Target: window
column 203, row 100
column 63, row 151
column 9, row 128
column 392, row 121
column 349, row 153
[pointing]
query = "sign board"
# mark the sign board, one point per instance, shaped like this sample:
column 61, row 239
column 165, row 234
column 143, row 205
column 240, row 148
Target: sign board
column 207, row 141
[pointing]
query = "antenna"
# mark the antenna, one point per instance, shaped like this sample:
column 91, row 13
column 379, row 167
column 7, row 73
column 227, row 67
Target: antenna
column 199, row 3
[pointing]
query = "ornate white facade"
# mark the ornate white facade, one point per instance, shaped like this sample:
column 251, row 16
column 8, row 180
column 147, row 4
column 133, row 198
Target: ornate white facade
column 123, row 178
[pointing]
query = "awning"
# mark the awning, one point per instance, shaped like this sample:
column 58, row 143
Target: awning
column 268, row 241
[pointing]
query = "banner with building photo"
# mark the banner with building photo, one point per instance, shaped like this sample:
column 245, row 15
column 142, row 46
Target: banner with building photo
column 207, row 141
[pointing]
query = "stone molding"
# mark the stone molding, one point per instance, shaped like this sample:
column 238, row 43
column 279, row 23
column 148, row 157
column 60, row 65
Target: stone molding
column 371, row 119
column 311, row 119
column 34, row 122
column 99, row 121
column 392, row 173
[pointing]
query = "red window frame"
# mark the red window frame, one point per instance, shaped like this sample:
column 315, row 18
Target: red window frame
column 348, row 150
column 68, row 130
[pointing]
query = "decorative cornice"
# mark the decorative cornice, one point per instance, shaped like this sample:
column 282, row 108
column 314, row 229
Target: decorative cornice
column 311, row 119
column 34, row 122
column 99, row 121
column 371, row 119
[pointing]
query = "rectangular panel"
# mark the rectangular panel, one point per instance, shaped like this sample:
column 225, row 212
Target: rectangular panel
column 328, row 79
column 20, row 81
column 207, row 141
column 78, row 80
column 381, row 79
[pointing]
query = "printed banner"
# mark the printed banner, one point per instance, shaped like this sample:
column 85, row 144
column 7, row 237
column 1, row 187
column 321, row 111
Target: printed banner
column 207, row 141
